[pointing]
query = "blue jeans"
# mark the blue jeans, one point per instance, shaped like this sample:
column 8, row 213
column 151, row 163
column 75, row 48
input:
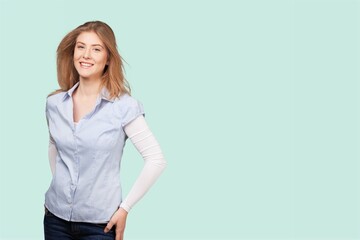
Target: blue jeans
column 58, row 229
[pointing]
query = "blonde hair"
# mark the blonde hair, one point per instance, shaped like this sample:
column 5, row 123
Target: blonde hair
column 113, row 77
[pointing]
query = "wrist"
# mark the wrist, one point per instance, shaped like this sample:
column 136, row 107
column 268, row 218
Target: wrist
column 123, row 211
column 124, row 206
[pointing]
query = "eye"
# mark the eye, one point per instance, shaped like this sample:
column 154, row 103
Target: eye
column 97, row 49
column 80, row 47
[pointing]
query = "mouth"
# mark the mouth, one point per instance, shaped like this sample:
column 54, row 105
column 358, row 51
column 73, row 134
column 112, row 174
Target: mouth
column 86, row 65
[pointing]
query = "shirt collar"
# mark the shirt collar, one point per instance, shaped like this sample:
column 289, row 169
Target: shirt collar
column 104, row 93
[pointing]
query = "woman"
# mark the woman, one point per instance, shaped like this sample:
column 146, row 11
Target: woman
column 89, row 119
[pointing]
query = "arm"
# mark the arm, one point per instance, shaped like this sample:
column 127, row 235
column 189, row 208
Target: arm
column 154, row 164
column 52, row 153
column 154, row 161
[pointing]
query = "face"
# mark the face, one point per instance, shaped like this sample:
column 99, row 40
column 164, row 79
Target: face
column 90, row 56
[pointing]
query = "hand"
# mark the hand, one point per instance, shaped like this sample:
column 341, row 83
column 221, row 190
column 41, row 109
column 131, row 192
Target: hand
column 119, row 220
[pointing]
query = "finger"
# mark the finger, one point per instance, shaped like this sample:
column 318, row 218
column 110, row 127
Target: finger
column 108, row 227
column 119, row 236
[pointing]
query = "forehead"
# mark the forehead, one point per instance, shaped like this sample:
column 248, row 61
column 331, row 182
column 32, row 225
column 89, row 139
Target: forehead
column 90, row 38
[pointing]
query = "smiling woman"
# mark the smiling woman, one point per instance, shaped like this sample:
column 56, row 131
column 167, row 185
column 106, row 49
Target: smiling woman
column 89, row 119
column 90, row 57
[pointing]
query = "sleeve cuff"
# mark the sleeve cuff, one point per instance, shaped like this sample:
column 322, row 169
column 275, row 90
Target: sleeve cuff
column 124, row 206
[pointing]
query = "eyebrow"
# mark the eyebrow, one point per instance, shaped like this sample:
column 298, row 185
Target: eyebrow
column 91, row 45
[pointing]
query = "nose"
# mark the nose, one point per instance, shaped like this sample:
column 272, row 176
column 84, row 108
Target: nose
column 86, row 54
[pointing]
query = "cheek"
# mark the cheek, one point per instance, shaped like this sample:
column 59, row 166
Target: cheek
column 77, row 55
column 100, row 61
column 104, row 58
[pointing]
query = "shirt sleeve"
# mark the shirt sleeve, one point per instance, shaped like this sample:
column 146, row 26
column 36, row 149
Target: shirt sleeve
column 52, row 151
column 130, row 110
column 154, row 161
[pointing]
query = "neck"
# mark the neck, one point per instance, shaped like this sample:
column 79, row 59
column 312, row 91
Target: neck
column 88, row 88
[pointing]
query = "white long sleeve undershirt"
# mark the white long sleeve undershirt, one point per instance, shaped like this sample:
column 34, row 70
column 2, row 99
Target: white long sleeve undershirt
column 147, row 145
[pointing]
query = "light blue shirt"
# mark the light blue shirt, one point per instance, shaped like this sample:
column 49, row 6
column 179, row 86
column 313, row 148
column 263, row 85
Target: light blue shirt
column 86, row 183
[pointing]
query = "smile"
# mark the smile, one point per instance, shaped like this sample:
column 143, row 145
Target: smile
column 86, row 65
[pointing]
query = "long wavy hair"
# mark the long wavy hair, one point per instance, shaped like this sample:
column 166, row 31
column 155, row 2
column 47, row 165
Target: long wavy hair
column 113, row 77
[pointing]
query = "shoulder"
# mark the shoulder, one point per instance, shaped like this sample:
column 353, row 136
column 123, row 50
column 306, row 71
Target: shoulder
column 54, row 99
column 126, row 101
column 127, row 108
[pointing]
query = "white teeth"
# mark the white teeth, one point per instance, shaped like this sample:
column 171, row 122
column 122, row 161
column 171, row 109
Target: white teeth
column 86, row 64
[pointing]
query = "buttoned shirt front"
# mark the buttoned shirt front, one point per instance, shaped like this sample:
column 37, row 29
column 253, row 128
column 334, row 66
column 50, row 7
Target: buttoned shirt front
column 86, row 183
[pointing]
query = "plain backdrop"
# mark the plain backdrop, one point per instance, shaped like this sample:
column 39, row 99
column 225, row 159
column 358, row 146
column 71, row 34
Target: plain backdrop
column 255, row 104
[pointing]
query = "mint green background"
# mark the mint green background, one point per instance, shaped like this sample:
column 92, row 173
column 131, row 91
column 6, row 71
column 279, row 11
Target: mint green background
column 255, row 104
